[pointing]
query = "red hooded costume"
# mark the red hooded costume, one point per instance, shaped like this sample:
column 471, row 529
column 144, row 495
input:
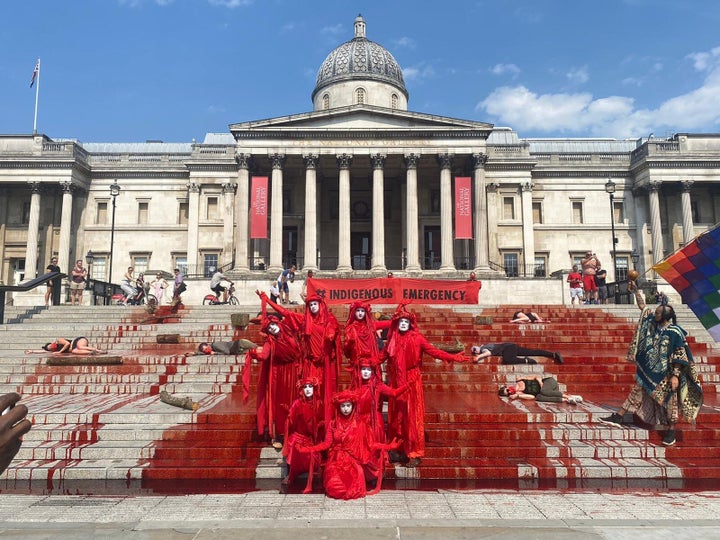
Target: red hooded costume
column 406, row 413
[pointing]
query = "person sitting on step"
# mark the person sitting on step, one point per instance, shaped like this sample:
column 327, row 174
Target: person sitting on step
column 539, row 389
column 512, row 353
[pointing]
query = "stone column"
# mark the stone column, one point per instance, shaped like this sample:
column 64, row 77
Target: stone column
column 242, row 206
column 688, row 226
column 276, row 212
column 480, row 223
column 31, row 250
column 492, row 208
column 193, row 226
column 411, row 214
column 344, row 264
column 655, row 224
column 228, row 190
column 310, row 250
column 65, row 227
column 378, row 209
column 447, row 257
column 527, row 226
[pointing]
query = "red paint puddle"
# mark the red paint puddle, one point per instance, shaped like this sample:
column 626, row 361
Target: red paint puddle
column 216, row 452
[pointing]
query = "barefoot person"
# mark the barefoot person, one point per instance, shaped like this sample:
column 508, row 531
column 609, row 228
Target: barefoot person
column 79, row 345
column 538, row 388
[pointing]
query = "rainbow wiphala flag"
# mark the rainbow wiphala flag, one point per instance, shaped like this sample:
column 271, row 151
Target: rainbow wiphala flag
column 694, row 272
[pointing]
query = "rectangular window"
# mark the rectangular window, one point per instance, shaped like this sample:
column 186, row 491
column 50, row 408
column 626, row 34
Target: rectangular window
column 621, row 267
column 618, row 212
column 537, row 212
column 212, row 208
column 435, row 201
column 210, row 264
column 180, row 262
column 183, row 212
column 510, row 261
column 99, row 270
column 577, row 212
column 540, row 269
column 508, row 208
column 140, row 263
column 26, row 213
column 143, row 213
column 101, row 216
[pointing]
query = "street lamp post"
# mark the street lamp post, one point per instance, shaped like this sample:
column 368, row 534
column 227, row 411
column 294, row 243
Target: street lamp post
column 89, row 258
column 610, row 189
column 114, row 192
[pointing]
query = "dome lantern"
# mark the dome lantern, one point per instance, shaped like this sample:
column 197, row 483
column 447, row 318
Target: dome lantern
column 360, row 71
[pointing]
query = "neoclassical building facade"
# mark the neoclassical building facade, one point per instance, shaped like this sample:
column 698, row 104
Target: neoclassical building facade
column 357, row 187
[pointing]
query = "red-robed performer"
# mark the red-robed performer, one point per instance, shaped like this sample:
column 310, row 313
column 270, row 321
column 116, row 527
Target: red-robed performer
column 321, row 333
column 406, row 413
column 350, row 446
column 305, row 427
column 372, row 393
column 280, row 356
column 361, row 340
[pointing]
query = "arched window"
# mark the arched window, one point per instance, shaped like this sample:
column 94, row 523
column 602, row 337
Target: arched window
column 360, row 96
column 326, row 102
column 394, row 101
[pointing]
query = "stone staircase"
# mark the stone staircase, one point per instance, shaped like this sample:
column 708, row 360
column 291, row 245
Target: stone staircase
column 107, row 424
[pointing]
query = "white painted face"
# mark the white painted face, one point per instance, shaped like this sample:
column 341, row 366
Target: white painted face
column 274, row 329
column 404, row 324
column 308, row 390
column 346, row 408
column 366, row 373
column 314, row 306
column 360, row 313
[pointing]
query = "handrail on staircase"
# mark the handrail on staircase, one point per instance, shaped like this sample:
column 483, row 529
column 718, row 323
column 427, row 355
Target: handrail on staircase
column 24, row 287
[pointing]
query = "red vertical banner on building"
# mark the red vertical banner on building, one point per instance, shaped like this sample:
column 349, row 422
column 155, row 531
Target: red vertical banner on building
column 259, row 207
column 463, row 207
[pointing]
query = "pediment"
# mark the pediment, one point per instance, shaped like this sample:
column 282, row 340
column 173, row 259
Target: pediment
column 362, row 118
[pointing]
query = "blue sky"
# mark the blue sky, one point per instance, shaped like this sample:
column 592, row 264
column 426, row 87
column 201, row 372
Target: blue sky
column 133, row 70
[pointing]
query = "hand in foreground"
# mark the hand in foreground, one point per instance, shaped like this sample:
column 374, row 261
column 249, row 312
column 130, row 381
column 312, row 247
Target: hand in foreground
column 13, row 425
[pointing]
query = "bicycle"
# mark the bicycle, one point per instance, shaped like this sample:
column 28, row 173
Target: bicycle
column 137, row 300
column 212, row 300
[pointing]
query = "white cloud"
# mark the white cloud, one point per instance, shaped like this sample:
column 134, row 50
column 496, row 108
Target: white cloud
column 581, row 114
column 216, row 109
column 231, row 3
column 333, row 30
column 578, row 76
column 406, row 42
column 420, row 72
column 705, row 60
column 505, row 69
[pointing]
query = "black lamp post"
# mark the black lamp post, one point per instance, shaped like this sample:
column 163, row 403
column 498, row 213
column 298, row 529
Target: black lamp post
column 635, row 256
column 114, row 192
column 610, row 189
column 89, row 258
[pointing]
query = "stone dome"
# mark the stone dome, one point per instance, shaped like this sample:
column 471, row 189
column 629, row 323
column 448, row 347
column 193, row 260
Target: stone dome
column 360, row 60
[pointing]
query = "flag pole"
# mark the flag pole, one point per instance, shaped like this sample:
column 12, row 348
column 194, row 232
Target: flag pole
column 37, row 95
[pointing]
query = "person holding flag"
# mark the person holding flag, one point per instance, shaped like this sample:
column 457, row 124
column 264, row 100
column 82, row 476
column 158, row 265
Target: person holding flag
column 666, row 381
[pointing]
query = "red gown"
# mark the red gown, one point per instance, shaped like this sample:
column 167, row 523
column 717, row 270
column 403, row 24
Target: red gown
column 361, row 341
column 349, row 443
column 406, row 413
column 276, row 388
column 305, row 427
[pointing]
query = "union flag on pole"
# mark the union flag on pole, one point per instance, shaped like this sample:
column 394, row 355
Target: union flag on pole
column 35, row 73
column 694, row 272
